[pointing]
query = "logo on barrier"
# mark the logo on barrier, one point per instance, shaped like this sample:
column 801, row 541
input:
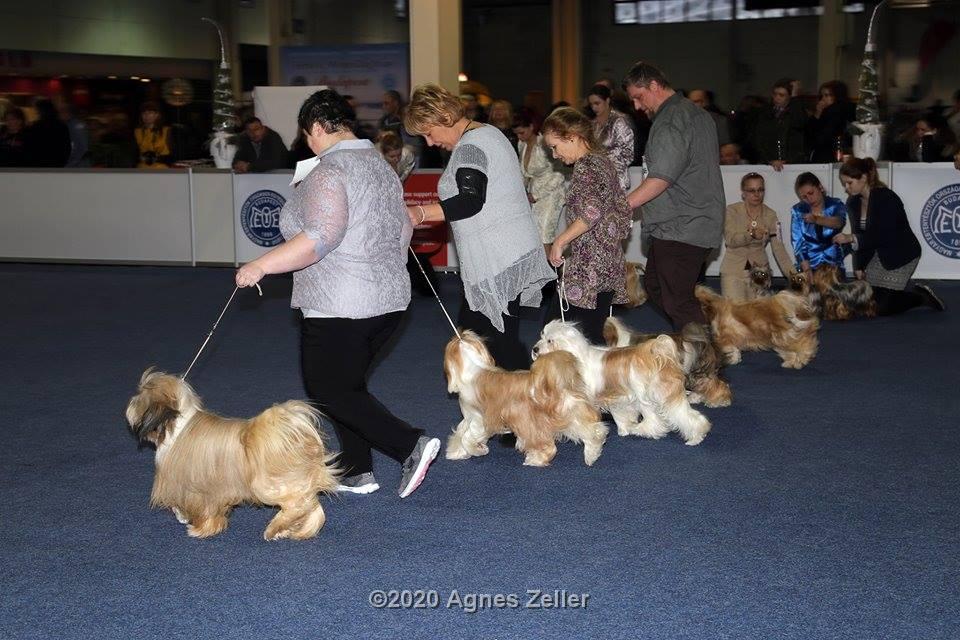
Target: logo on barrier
column 260, row 217
column 940, row 221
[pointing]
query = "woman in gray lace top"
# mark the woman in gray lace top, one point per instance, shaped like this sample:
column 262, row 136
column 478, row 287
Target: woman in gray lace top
column 502, row 262
column 347, row 233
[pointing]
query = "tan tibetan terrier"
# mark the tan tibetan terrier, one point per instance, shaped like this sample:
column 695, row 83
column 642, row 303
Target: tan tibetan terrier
column 701, row 359
column 540, row 406
column 833, row 298
column 636, row 294
column 207, row 464
column 646, row 379
column 785, row 323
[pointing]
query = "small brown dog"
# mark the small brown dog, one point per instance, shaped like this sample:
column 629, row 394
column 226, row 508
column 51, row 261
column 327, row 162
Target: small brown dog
column 540, row 406
column 207, row 464
column 636, row 294
column 785, row 323
column 701, row 359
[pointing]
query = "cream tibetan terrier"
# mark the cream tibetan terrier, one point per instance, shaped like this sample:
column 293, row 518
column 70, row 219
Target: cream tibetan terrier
column 540, row 406
column 646, row 379
column 207, row 464
column 701, row 359
column 784, row 322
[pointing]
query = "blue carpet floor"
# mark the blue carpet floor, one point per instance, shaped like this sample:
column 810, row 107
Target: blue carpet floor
column 823, row 504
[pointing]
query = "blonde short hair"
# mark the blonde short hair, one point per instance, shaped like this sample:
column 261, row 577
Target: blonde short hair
column 431, row 106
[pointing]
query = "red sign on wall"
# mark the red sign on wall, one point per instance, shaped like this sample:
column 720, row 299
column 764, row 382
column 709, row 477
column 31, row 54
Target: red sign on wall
column 431, row 238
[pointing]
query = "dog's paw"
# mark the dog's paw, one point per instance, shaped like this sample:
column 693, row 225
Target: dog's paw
column 456, row 453
column 695, row 440
column 182, row 519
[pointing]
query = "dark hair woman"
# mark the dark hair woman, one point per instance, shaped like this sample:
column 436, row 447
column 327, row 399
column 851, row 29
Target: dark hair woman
column 814, row 221
column 613, row 132
column 886, row 251
column 346, row 221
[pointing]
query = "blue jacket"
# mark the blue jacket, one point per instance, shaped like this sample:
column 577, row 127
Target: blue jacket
column 813, row 242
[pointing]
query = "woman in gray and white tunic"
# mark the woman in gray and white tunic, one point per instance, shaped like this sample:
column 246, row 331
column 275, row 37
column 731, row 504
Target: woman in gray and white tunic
column 347, row 234
column 482, row 196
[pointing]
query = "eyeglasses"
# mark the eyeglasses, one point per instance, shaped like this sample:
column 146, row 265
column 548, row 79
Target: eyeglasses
column 760, row 190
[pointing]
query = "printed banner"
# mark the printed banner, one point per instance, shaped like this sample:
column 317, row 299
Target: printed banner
column 363, row 71
column 258, row 199
column 431, row 239
column 931, row 196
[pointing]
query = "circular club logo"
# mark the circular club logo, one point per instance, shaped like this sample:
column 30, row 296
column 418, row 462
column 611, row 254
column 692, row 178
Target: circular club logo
column 940, row 221
column 260, row 217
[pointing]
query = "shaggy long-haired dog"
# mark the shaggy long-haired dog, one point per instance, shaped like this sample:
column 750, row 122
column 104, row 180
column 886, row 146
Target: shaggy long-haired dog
column 540, row 406
column 636, row 294
column 643, row 379
column 835, row 299
column 760, row 280
column 784, row 322
column 701, row 359
column 207, row 464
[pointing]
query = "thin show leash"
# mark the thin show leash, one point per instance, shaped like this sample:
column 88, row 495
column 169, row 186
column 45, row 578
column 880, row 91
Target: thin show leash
column 435, row 295
column 214, row 328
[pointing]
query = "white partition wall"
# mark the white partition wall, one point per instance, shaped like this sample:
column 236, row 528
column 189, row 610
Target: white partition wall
column 931, row 196
column 102, row 215
column 128, row 215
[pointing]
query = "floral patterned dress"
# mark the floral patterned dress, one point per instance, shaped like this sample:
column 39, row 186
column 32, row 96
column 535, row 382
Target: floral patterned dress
column 596, row 263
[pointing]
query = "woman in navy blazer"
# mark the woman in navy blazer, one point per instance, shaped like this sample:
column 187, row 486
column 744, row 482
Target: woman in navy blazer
column 886, row 251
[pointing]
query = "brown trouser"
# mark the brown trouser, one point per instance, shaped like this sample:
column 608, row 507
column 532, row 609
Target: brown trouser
column 671, row 275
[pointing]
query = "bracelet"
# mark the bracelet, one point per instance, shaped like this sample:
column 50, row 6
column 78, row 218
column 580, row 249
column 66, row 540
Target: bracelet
column 423, row 214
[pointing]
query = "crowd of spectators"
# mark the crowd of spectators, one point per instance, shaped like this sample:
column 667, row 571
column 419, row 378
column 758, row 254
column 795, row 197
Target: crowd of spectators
column 785, row 127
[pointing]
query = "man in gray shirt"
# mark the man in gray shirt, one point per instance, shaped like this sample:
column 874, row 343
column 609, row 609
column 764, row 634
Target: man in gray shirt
column 682, row 195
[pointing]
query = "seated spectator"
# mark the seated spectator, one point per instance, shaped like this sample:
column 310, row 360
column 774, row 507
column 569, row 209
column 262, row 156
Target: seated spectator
column 885, row 250
column 778, row 135
column 827, row 128
column 501, row 116
column 46, row 142
column 472, row 109
column 392, row 118
column 398, row 155
column 153, row 139
column 259, row 149
column 744, row 122
column 749, row 228
column 704, row 99
column 300, row 150
column 12, row 138
column 953, row 115
column 931, row 140
column 730, row 154
column 814, row 221
column 79, row 137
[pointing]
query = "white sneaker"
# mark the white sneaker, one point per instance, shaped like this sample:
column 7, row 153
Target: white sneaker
column 415, row 467
column 360, row 483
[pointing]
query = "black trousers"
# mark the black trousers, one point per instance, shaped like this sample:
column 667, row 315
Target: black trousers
column 590, row 321
column 672, row 271
column 335, row 359
column 506, row 348
column 891, row 302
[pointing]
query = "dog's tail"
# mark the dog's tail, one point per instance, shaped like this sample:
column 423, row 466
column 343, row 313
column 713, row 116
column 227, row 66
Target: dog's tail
column 615, row 333
column 708, row 299
column 287, row 438
column 799, row 311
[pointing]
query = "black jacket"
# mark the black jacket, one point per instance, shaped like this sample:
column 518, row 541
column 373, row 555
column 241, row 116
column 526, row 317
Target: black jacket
column 887, row 234
column 273, row 153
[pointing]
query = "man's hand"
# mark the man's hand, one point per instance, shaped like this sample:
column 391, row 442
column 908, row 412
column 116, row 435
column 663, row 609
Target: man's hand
column 241, row 167
column 777, row 165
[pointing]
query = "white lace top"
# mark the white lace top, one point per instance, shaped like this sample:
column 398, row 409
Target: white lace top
column 352, row 205
column 499, row 249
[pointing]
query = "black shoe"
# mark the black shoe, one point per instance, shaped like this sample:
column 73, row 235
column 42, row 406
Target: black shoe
column 931, row 299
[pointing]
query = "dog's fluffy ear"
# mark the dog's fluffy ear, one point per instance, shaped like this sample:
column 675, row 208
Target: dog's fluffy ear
column 154, row 409
column 550, row 375
column 154, row 423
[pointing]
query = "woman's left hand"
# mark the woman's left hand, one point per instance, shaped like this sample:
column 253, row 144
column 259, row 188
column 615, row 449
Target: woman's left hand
column 556, row 253
column 249, row 274
column 842, row 238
